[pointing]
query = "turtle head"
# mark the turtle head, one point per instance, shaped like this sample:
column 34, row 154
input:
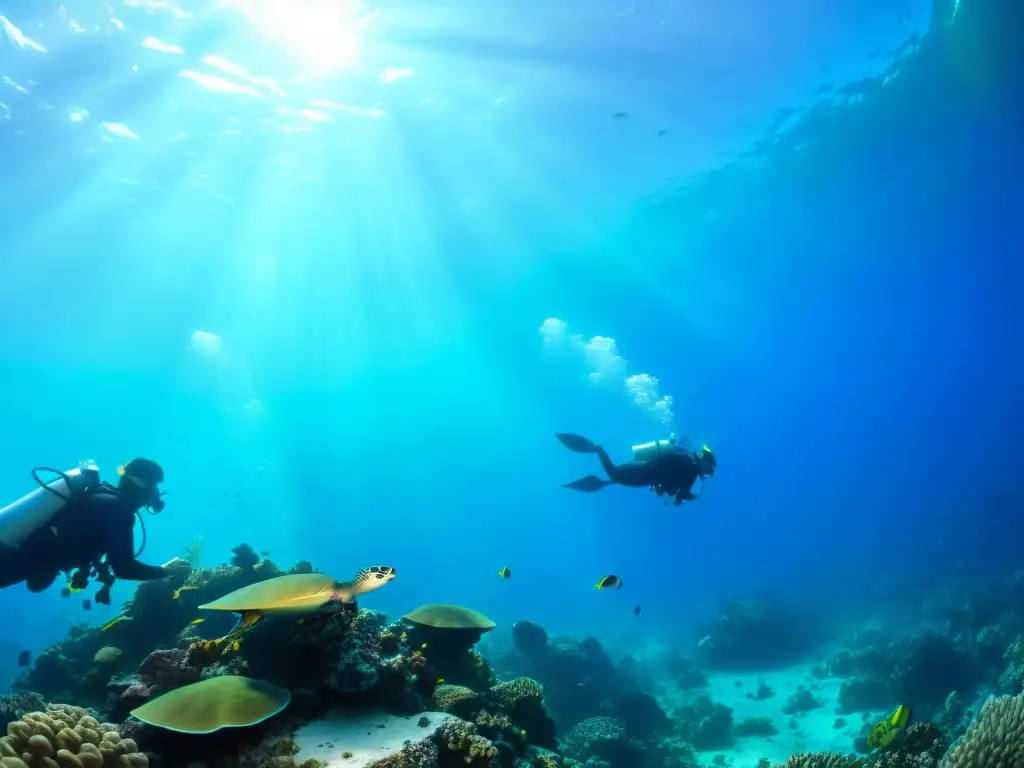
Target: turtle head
column 369, row 579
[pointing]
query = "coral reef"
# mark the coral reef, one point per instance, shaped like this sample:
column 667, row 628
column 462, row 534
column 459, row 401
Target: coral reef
column 15, row 706
column 996, row 737
column 600, row 738
column 579, row 679
column 751, row 633
column 417, row 693
column 345, row 656
column 67, row 737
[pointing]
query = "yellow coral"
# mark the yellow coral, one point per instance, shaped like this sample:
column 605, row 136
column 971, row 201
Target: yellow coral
column 448, row 698
column 66, row 737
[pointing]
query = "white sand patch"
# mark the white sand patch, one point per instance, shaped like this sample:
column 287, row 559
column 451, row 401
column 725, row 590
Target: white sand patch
column 815, row 731
column 367, row 737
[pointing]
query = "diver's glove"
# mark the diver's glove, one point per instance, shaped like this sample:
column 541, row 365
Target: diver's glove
column 80, row 578
column 176, row 567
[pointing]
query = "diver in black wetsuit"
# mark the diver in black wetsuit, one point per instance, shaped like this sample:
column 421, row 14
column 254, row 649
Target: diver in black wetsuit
column 672, row 471
column 92, row 535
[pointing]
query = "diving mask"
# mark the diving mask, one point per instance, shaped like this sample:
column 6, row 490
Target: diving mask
column 154, row 501
column 708, row 462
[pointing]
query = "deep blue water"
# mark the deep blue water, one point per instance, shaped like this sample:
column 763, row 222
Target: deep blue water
column 818, row 260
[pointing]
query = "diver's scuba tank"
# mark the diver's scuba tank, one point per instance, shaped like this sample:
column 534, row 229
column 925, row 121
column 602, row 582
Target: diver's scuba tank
column 21, row 518
column 645, row 452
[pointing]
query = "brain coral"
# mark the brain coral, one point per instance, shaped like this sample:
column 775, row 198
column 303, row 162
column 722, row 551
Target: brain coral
column 66, row 737
column 995, row 738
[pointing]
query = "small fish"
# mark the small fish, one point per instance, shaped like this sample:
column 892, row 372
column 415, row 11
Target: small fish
column 440, row 681
column 65, row 592
column 901, row 717
column 637, row 609
column 87, row 605
column 265, row 552
column 505, row 573
column 661, row 133
column 194, row 622
column 179, row 590
column 24, row 658
column 423, row 647
column 236, row 645
column 609, row 582
column 112, row 622
column 884, row 732
column 618, row 115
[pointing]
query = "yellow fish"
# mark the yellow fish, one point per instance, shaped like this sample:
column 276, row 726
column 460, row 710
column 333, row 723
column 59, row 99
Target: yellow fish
column 179, row 590
column 884, row 732
column 236, row 645
column 112, row 622
column 196, row 621
column 901, row 717
column 440, row 681
column 505, row 573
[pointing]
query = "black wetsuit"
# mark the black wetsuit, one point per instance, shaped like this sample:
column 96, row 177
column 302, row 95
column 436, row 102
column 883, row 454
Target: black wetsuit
column 97, row 524
column 671, row 474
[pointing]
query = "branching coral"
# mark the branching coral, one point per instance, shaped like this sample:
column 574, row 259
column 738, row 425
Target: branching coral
column 522, row 699
column 67, row 737
column 996, row 737
column 461, row 738
column 513, row 693
column 17, row 704
column 822, row 760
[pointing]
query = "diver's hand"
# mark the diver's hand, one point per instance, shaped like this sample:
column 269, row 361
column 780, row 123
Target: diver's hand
column 176, row 566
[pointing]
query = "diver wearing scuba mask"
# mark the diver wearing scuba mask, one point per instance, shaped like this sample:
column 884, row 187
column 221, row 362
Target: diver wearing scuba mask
column 97, row 522
column 664, row 466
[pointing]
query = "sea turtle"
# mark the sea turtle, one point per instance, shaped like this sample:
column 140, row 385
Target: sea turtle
column 300, row 594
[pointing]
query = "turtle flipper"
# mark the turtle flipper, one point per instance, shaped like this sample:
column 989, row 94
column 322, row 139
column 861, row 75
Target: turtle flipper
column 588, row 484
column 577, row 443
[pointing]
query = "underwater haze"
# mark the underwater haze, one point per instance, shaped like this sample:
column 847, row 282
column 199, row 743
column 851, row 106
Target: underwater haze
column 344, row 270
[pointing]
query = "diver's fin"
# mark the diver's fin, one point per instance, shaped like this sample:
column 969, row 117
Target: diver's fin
column 576, row 443
column 588, row 484
column 246, row 621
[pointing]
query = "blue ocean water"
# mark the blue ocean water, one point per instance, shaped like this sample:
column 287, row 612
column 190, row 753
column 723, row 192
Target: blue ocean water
column 344, row 270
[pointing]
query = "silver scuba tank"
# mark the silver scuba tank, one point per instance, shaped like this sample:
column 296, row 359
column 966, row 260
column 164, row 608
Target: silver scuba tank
column 645, row 452
column 19, row 519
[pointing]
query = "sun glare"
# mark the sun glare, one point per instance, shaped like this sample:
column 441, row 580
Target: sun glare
column 324, row 34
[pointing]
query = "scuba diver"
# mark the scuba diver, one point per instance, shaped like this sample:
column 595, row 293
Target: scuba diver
column 664, row 466
column 78, row 523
